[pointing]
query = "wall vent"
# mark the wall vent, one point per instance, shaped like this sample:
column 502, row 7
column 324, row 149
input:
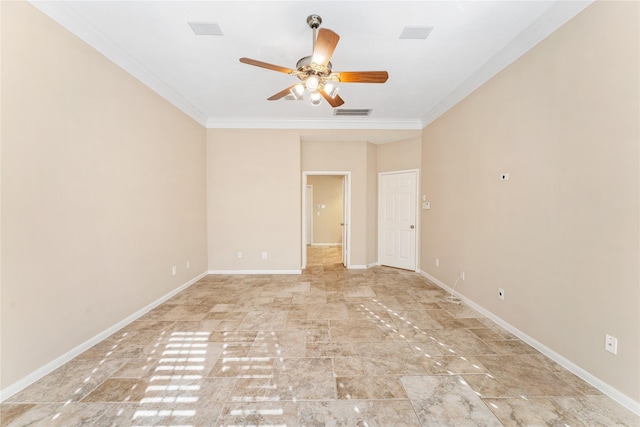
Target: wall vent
column 355, row 112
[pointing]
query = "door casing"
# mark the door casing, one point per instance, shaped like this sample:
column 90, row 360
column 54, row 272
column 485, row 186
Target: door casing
column 346, row 213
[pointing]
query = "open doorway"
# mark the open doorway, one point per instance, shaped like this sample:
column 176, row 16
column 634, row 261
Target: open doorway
column 326, row 217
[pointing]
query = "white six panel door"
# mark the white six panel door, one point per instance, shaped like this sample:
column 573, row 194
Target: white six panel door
column 397, row 219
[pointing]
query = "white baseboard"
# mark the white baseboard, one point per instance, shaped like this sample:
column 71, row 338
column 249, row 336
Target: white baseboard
column 605, row 388
column 255, row 271
column 362, row 267
column 59, row 361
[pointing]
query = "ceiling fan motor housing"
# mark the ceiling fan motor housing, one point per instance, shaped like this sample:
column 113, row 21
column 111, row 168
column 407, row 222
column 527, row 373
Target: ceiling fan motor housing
column 314, row 21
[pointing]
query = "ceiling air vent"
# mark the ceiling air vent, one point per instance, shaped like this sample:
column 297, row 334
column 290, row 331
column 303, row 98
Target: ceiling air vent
column 415, row 33
column 206, row 28
column 355, row 112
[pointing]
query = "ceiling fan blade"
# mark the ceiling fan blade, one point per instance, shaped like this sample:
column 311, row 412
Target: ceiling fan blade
column 281, row 94
column 266, row 65
column 325, row 45
column 362, row 76
column 335, row 102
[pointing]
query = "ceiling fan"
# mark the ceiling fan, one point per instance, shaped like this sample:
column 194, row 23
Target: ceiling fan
column 315, row 73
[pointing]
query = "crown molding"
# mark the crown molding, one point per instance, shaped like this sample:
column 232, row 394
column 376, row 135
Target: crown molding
column 264, row 123
column 557, row 15
column 69, row 18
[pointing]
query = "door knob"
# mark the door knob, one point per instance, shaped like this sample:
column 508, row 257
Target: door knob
column 412, row 227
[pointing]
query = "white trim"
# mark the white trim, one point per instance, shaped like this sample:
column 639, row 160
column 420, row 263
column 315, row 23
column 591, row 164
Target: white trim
column 326, row 244
column 608, row 390
column 222, row 272
column 69, row 355
column 333, row 123
column 363, row 267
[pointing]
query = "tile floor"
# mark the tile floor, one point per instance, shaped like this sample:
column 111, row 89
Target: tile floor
column 331, row 347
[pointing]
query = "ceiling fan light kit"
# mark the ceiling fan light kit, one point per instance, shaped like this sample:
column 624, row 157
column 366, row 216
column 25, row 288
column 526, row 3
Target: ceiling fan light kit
column 315, row 71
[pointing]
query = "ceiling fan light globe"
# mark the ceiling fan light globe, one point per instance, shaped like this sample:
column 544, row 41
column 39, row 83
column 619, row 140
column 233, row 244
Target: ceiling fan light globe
column 297, row 91
column 312, row 83
column 331, row 89
column 316, row 98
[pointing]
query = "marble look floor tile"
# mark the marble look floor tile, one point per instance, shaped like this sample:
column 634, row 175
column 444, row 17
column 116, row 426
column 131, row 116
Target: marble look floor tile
column 69, row 383
column 9, row 412
column 331, row 346
column 579, row 384
column 328, row 311
column 187, row 312
column 447, row 401
column 349, row 366
column 63, row 415
column 354, row 330
column 329, row 349
column 460, row 342
column 370, row 387
column 372, row 413
column 598, row 410
column 233, row 336
column 511, row 347
column 243, row 367
column 263, row 321
column 524, row 377
column 315, row 330
column 118, row 390
column 279, row 344
column 306, row 379
column 445, row 319
column 388, row 359
column 561, row 411
column 454, row 365
column 359, row 291
column 486, row 385
column 238, row 413
column 487, row 334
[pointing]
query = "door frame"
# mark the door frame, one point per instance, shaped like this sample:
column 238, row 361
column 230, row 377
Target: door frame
column 309, row 217
column 346, row 212
column 417, row 213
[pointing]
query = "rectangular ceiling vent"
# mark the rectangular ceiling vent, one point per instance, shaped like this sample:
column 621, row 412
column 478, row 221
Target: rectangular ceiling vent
column 354, row 112
column 415, row 33
column 206, row 28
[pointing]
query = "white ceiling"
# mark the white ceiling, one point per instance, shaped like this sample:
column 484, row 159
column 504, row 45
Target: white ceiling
column 470, row 42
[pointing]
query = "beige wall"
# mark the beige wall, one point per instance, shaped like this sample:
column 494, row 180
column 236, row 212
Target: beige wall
column 400, row 155
column 254, row 199
column 346, row 156
column 562, row 235
column 254, row 182
column 103, row 191
column 327, row 192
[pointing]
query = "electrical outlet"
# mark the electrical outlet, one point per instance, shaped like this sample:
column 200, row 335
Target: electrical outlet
column 611, row 344
column 239, row 254
column 174, row 270
column 437, row 262
column 462, row 276
column 264, row 255
column 501, row 293
column 188, row 264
